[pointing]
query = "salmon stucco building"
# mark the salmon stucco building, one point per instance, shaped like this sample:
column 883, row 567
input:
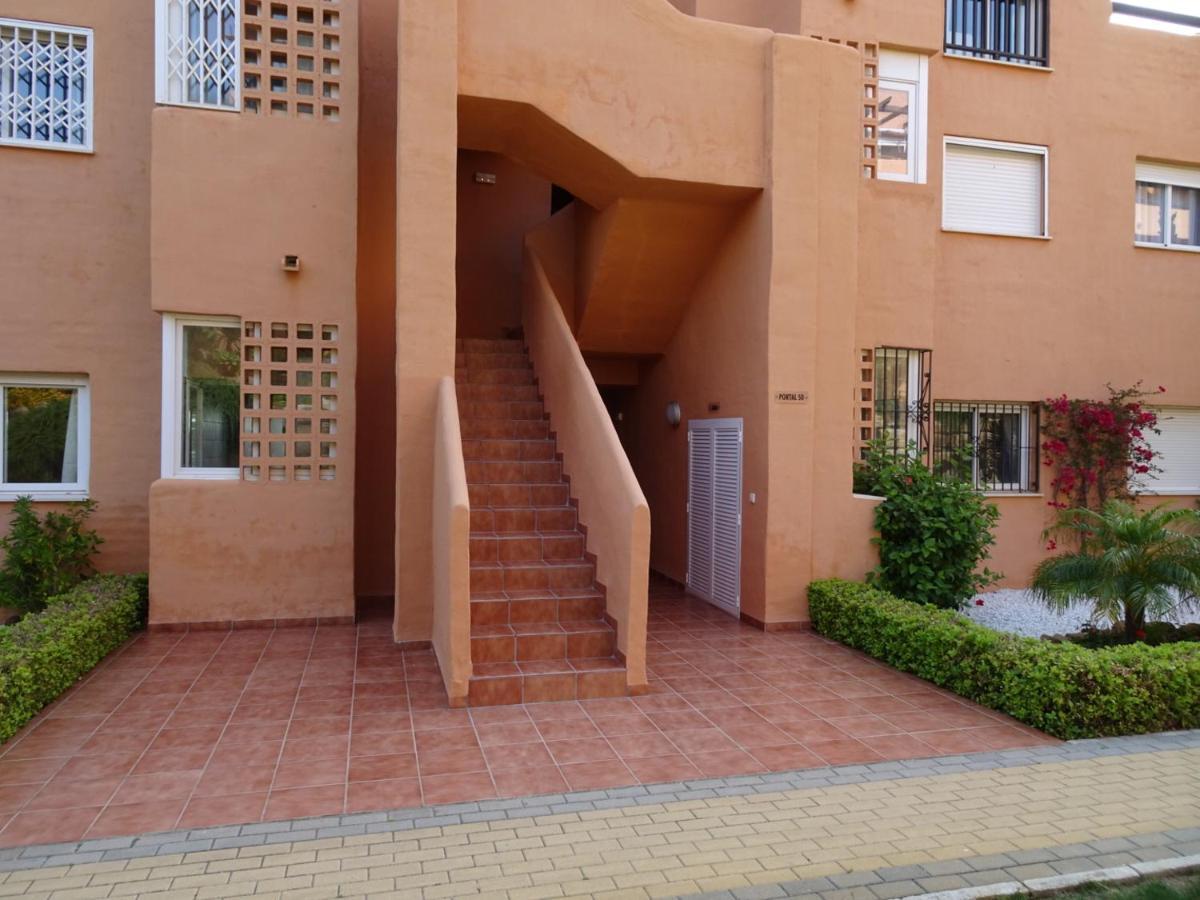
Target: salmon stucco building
column 484, row 310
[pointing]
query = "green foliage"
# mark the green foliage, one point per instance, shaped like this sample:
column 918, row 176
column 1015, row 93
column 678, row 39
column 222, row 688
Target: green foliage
column 37, row 434
column 1063, row 689
column 1132, row 565
column 44, row 557
column 934, row 532
column 47, row 652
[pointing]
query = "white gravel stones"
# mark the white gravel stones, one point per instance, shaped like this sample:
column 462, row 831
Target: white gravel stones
column 1019, row 612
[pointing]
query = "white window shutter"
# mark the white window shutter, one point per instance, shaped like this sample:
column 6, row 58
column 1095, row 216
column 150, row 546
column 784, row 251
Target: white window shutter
column 700, row 512
column 727, row 525
column 1161, row 173
column 1179, row 451
column 994, row 189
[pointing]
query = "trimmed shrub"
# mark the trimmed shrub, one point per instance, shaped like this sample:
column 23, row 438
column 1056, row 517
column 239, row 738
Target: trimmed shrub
column 47, row 652
column 1063, row 689
column 45, row 557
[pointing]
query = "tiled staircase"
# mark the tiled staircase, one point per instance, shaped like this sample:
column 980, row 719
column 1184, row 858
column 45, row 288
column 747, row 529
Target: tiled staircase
column 538, row 631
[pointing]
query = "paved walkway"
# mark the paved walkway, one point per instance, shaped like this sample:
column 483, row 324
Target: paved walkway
column 988, row 823
column 207, row 728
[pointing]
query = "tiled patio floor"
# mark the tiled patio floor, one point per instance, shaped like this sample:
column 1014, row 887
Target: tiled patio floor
column 214, row 728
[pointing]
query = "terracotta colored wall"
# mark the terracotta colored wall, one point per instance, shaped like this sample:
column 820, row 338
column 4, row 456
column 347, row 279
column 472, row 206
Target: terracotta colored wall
column 492, row 221
column 375, row 486
column 238, row 550
column 75, row 269
column 426, row 170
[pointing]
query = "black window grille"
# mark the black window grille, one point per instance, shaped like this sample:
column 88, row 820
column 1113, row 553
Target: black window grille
column 1014, row 31
column 902, row 380
column 1002, row 439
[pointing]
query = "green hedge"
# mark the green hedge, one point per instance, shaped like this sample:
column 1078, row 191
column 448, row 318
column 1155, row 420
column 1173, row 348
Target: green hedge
column 1064, row 689
column 47, row 652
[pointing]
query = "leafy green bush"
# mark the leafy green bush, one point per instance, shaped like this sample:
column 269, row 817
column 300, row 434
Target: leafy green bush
column 1063, row 689
column 47, row 652
column 45, row 557
column 934, row 532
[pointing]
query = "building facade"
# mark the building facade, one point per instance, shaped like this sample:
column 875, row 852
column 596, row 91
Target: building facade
column 484, row 310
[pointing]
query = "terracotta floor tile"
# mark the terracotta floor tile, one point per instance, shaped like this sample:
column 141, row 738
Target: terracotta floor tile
column 702, row 740
column 783, row 757
column 382, row 743
column 137, row 818
column 898, row 746
column 843, row 752
column 154, row 761
column 751, row 736
column 528, row 781
column 252, row 733
column 811, row 730
column 380, row 723
column 449, row 760
column 386, row 794
column 313, row 748
column 48, row 826
column 202, row 812
column 61, row 792
column 630, row 746
column 508, row 733
column 585, row 750
column 15, row 796
column 161, row 786
column 310, row 773
column 447, row 739
column 957, row 740
column 224, row 780
column 656, row 769
column 293, row 803
column 517, row 756
column 568, row 729
column 378, row 768
column 29, row 771
column 197, row 737
column 595, row 775
column 312, row 729
column 722, row 763
column 99, row 766
column 457, row 788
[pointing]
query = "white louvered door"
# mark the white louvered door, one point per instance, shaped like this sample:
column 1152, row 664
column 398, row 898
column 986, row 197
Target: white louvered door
column 715, row 511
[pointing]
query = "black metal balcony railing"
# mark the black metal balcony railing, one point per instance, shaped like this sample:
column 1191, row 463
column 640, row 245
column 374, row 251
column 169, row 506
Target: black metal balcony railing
column 1013, row 31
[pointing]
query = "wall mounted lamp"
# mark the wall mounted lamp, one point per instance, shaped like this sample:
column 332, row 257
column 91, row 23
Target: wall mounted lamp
column 674, row 414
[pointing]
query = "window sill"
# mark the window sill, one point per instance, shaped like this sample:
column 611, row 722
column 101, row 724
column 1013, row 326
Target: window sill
column 1002, row 234
column 204, row 475
column 1176, row 247
column 867, row 497
column 56, row 148
column 1025, row 67
column 201, row 106
column 1021, row 494
column 1170, row 492
column 7, row 496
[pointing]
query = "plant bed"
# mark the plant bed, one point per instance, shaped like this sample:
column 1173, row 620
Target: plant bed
column 46, row 652
column 1063, row 689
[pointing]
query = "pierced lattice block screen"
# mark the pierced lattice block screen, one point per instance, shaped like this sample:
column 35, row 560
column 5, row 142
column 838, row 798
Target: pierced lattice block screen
column 868, row 52
column 289, row 401
column 292, row 58
column 864, row 403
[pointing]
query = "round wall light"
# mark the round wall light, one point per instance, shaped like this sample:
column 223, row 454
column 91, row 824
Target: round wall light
column 674, row 414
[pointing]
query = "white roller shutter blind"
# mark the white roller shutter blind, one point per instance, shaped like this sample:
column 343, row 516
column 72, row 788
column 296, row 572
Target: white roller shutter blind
column 994, row 189
column 1161, row 173
column 1179, row 449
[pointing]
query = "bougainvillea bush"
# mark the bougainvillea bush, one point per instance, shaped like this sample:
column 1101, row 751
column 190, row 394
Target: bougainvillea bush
column 1099, row 449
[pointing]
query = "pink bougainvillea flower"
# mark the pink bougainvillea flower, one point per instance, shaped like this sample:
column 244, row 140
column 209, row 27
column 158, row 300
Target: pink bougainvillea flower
column 1140, row 634
column 1052, row 545
column 1161, row 389
column 979, row 603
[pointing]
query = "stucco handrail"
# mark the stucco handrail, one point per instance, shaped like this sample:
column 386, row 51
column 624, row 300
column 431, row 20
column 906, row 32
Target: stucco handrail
column 611, row 503
column 451, row 548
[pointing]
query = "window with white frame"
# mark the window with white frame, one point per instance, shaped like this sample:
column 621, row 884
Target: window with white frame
column 44, row 437
column 995, row 187
column 45, row 86
column 201, row 396
column 198, row 53
column 992, row 446
column 1177, row 446
column 1166, row 206
column 903, row 120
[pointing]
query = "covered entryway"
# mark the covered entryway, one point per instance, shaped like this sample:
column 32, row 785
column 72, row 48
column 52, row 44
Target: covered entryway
column 715, row 511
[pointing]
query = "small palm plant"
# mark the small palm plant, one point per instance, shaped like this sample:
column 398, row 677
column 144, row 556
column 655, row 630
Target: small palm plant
column 1130, row 565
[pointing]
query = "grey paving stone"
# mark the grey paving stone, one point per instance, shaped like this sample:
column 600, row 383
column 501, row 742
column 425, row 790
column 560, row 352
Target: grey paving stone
column 1061, row 882
column 438, row 821
column 759, row 892
column 1153, row 854
column 199, row 834
column 891, row 889
column 987, row 876
column 185, row 847
column 341, row 831
column 990, row 861
column 943, row 883
column 857, row 893
column 803, row 887
column 855, row 879
column 1173, row 864
column 1111, row 860
column 51, row 849
column 1112, row 845
column 1028, row 857
column 946, row 867
column 1073, row 866
column 242, row 840
column 901, row 873
column 1032, row 870
column 72, row 859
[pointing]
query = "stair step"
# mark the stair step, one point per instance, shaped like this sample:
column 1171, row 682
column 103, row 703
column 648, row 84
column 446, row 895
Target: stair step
column 513, row 471
column 529, row 519
column 540, row 681
column 489, row 345
column 509, row 410
column 516, row 546
column 516, row 606
column 518, row 495
column 503, row 359
column 478, row 392
column 537, row 576
column 537, row 450
column 519, row 429
column 542, row 641
column 467, row 375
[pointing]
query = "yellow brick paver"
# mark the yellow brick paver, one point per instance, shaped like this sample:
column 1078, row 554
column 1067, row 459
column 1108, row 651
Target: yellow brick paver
column 683, row 846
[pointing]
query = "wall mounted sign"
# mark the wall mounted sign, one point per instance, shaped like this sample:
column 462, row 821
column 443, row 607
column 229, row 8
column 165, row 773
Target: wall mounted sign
column 791, row 396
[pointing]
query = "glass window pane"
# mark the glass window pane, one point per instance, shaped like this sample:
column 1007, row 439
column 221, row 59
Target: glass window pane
column 211, row 361
column 1149, row 205
column 895, row 130
column 1185, row 216
column 999, row 449
column 41, row 435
